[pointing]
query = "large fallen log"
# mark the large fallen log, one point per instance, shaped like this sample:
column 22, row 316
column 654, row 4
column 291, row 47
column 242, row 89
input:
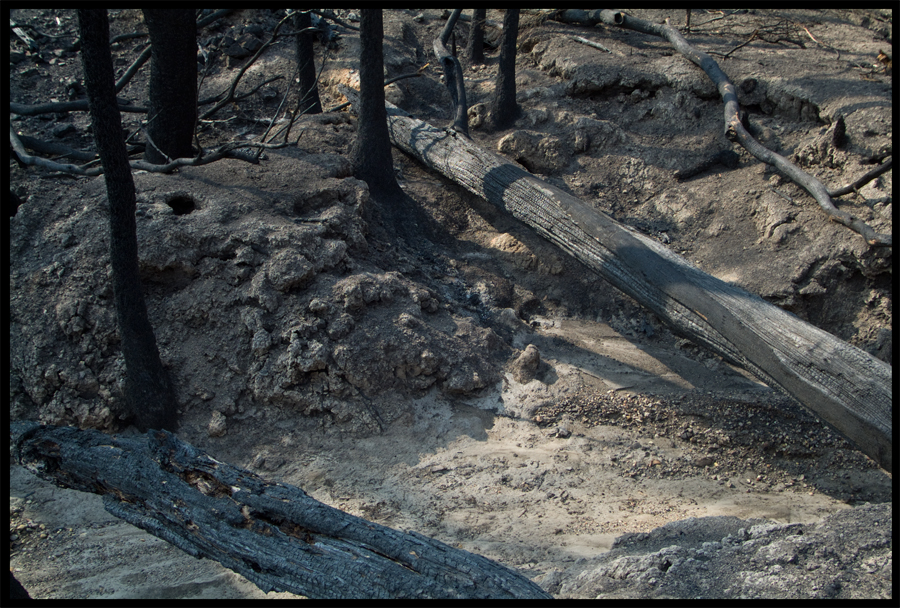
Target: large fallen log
column 843, row 385
column 273, row 534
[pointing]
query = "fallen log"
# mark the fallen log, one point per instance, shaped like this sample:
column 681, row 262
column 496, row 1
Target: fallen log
column 843, row 385
column 273, row 534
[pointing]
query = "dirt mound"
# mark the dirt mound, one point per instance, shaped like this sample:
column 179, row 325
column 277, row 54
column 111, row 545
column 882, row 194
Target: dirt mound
column 269, row 284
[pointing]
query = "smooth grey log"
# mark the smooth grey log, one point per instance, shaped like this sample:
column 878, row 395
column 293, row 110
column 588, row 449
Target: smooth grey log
column 273, row 534
column 843, row 385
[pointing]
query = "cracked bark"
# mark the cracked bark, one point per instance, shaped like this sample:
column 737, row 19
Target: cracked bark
column 273, row 534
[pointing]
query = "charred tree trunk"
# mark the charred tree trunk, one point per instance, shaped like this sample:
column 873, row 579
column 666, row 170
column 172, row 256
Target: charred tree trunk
column 475, row 45
column 453, row 76
column 308, row 87
column 148, row 391
column 273, row 534
column 504, row 110
column 173, row 84
column 843, row 385
column 371, row 153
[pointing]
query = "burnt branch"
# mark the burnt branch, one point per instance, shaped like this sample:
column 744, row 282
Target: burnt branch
column 735, row 130
column 274, row 534
column 865, row 179
column 453, row 76
column 228, row 150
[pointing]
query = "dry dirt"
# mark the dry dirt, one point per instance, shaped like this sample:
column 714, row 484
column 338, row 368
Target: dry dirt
column 377, row 357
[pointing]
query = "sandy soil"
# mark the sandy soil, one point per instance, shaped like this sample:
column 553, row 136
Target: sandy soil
column 622, row 427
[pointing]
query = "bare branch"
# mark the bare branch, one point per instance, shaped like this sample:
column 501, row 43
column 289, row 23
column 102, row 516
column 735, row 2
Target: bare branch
column 224, row 151
column 735, row 130
column 865, row 179
column 229, row 97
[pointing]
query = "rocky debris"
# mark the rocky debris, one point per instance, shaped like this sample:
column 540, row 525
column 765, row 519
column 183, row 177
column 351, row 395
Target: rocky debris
column 848, row 555
column 766, row 443
column 537, row 152
column 217, row 426
column 526, row 365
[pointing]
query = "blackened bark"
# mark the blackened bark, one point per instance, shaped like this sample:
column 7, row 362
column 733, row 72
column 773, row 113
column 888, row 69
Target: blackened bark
column 274, row 534
column 475, row 46
column 504, row 110
column 148, row 391
column 371, row 153
column 173, row 84
column 453, row 75
column 309, row 91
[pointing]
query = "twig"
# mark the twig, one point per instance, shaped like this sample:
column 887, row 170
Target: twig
column 749, row 40
column 782, row 195
column 813, row 38
column 595, row 45
column 865, row 179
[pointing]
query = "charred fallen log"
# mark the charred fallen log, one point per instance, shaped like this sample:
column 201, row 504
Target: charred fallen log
column 273, row 534
column 843, row 385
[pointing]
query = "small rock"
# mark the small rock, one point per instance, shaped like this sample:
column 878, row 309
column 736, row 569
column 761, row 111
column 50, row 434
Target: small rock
column 527, row 364
column 704, row 462
column 217, row 424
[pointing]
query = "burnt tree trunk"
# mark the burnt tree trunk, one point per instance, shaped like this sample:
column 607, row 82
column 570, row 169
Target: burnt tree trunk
column 273, row 534
column 475, row 45
column 371, row 152
column 173, row 84
column 503, row 109
column 308, row 87
column 843, row 385
column 148, row 390
column 453, row 76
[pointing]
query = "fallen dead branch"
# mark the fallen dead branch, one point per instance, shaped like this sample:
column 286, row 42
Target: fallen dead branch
column 845, row 386
column 228, row 150
column 735, row 130
column 46, row 147
column 80, row 105
column 274, row 534
column 863, row 180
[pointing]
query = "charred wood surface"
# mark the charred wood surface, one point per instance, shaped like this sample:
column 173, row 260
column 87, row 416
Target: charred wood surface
column 273, row 534
column 843, row 385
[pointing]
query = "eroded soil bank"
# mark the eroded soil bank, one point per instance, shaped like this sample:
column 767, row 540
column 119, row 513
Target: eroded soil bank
column 436, row 366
